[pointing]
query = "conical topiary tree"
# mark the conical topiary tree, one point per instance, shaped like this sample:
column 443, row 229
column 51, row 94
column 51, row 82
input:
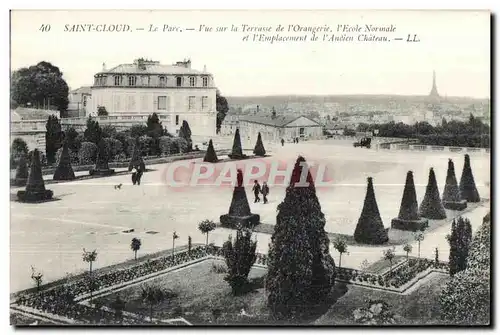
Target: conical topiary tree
column 259, row 147
column 408, row 218
column 101, row 165
column 451, row 193
column 431, row 207
column 237, row 152
column 64, row 171
column 468, row 190
column 21, row 172
column 239, row 212
column 136, row 161
column 301, row 271
column 35, row 187
column 370, row 228
column 210, row 155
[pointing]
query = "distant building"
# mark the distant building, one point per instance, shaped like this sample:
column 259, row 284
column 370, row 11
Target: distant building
column 29, row 125
column 279, row 127
column 175, row 92
column 79, row 100
column 230, row 124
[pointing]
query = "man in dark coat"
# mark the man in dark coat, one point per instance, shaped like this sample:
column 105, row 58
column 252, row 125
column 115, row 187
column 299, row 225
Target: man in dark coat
column 282, row 142
column 256, row 191
column 265, row 191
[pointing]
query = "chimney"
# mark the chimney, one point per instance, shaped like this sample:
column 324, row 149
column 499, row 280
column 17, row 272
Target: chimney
column 104, row 66
column 204, row 68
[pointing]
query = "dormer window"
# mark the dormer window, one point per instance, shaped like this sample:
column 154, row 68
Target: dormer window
column 118, row 80
column 132, row 80
column 205, row 81
column 192, row 81
column 179, row 81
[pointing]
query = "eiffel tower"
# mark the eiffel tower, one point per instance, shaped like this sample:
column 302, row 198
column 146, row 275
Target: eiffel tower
column 434, row 95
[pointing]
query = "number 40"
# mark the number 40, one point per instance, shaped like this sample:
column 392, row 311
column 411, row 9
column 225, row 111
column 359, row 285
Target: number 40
column 44, row 28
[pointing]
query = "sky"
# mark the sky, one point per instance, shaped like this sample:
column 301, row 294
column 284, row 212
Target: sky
column 456, row 44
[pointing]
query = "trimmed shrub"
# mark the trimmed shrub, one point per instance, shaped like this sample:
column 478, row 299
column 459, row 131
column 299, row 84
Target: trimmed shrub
column 181, row 145
column 64, row 171
column 259, row 147
column 87, row 154
column 210, row 155
column 21, row 172
column 468, row 190
column 166, row 145
column 431, row 207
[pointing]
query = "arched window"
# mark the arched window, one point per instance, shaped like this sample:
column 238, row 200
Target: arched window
column 192, row 81
column 132, row 80
column 118, row 80
column 205, row 81
column 179, row 81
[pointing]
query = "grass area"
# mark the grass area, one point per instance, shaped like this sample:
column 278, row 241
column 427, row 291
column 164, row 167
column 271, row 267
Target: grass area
column 198, row 290
column 420, row 307
column 19, row 320
column 382, row 265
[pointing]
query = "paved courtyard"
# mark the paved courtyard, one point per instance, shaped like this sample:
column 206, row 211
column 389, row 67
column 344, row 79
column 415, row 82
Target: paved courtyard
column 91, row 214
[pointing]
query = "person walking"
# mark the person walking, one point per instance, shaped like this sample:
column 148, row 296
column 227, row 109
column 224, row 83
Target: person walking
column 256, row 191
column 282, row 142
column 265, row 191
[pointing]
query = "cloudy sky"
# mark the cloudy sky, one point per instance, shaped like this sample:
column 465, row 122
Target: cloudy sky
column 456, row 44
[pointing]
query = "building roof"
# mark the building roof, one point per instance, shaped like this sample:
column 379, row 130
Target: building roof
column 22, row 113
column 149, row 67
column 279, row 121
column 81, row 90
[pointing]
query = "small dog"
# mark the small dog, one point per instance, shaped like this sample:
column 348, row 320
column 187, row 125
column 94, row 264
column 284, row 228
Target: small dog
column 118, row 187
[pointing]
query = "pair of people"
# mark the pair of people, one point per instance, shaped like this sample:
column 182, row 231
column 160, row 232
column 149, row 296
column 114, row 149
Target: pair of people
column 137, row 175
column 258, row 189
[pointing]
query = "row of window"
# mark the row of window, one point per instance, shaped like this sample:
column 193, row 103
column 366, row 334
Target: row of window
column 163, row 103
column 146, row 81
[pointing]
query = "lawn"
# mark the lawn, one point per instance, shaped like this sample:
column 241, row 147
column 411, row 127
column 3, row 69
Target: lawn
column 383, row 264
column 420, row 307
column 198, row 291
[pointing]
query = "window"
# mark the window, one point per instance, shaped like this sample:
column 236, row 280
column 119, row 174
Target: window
column 84, row 101
column 204, row 103
column 162, row 81
column 177, row 120
column 192, row 81
column 132, row 81
column 118, row 80
column 162, row 103
column 191, row 103
column 205, row 81
column 179, row 81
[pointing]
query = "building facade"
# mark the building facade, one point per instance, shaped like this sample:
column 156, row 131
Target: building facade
column 28, row 124
column 279, row 127
column 79, row 100
column 174, row 92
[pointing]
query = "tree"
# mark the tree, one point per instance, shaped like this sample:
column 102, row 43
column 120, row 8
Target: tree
column 419, row 237
column 431, row 207
column 459, row 240
column 340, row 244
column 210, row 155
column 185, row 133
column 138, row 130
column 221, row 107
column 153, row 295
column 451, row 194
column 436, row 255
column 35, row 187
column 119, row 306
column 89, row 257
column 301, row 271
column 407, row 248
column 136, row 162
column 468, row 190
column 37, row 278
column 21, row 172
column 237, row 152
column 240, row 257
column 389, row 255
column 206, row 226
column 18, row 149
column 135, row 245
column 259, row 147
column 101, row 111
column 154, row 129
column 174, row 237
column 370, row 228
column 190, row 245
column 41, row 85
column 64, row 171
column 53, row 138
column 71, row 136
column 466, row 298
column 108, row 131
column 93, row 132
column 408, row 218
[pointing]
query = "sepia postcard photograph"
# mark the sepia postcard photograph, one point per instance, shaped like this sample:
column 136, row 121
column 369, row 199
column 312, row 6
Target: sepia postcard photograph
column 250, row 168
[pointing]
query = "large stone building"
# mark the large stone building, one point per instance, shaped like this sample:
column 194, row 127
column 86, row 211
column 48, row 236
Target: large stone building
column 78, row 101
column 275, row 128
column 28, row 124
column 175, row 92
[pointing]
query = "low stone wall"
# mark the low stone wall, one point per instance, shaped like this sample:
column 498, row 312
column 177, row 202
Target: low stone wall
column 430, row 148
